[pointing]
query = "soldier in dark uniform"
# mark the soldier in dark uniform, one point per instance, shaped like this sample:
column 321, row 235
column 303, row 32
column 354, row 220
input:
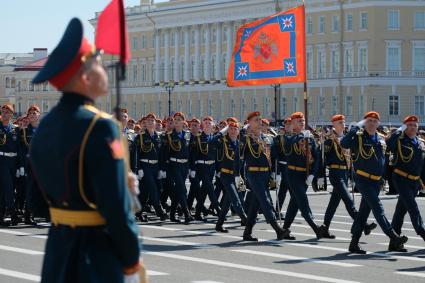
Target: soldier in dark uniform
column 409, row 157
column 175, row 153
column 128, row 132
column 303, row 165
column 148, row 147
column 202, row 168
column 11, row 165
column 338, row 162
column 31, row 191
column 368, row 148
column 78, row 158
column 167, row 183
column 257, row 164
column 229, row 164
column 195, row 128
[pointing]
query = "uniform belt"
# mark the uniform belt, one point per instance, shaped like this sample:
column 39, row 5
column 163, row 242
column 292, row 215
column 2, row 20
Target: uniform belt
column 258, row 169
column 178, row 160
column 406, row 175
column 283, row 162
column 8, row 154
column 226, row 171
column 367, row 175
column 207, row 162
column 149, row 161
column 296, row 168
column 337, row 166
column 76, row 218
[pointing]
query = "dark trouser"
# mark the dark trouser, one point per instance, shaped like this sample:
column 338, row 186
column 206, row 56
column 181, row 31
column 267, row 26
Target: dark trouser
column 167, row 189
column 407, row 190
column 193, row 191
column 230, row 197
column 7, row 175
column 369, row 190
column 339, row 181
column 205, row 174
column 258, row 183
column 299, row 200
column 149, row 186
column 36, row 202
column 178, row 173
column 283, row 188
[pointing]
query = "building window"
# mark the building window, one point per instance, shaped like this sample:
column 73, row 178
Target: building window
column 159, row 107
column 202, row 68
column 243, row 107
column 31, row 87
column 364, row 21
column 7, row 83
column 294, row 104
column 321, row 24
column 192, row 69
column 334, row 62
column 143, row 73
column 393, row 107
column 420, row 20
column 349, row 22
column 418, row 59
column 173, row 36
column 213, row 66
column 192, row 36
column 12, row 83
column 189, row 107
column 45, row 106
column 393, row 19
column 173, row 65
column 45, row 86
column 232, row 108
column 334, row 104
column 266, row 105
column 361, row 105
column 152, row 72
column 349, row 105
column 335, row 23
column 134, row 71
column 181, row 66
column 161, row 73
column 254, row 104
column 283, row 105
column 214, row 34
column 393, row 59
column 321, row 62
column 144, row 42
column 363, row 59
column 420, row 105
column 310, row 63
column 321, row 106
column 134, row 43
column 309, row 25
column 348, row 61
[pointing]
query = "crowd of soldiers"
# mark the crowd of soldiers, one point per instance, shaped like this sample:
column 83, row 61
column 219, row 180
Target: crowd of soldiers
column 239, row 165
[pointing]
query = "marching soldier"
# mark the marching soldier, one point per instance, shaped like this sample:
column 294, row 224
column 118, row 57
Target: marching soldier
column 11, row 165
column 175, row 159
column 128, row 132
column 409, row 156
column 338, row 162
column 78, row 158
column 195, row 128
column 368, row 148
column 258, row 169
column 303, row 166
column 203, row 154
column 148, row 147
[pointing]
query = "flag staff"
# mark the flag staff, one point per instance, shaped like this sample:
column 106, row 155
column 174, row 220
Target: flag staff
column 305, row 81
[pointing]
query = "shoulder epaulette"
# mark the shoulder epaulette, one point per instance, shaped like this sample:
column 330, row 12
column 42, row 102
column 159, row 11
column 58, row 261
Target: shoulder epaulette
column 94, row 110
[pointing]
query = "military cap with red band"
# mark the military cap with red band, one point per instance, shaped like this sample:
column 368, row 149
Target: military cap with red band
column 67, row 58
column 151, row 116
column 372, row 114
column 411, row 118
column 297, row 115
column 252, row 115
column 338, row 117
column 265, row 121
column 179, row 114
column 234, row 124
column 208, row 118
column 33, row 108
column 9, row 106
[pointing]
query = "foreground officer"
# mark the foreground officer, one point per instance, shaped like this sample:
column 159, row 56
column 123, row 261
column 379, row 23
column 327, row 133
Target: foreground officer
column 368, row 149
column 10, row 164
column 78, row 158
column 257, row 164
column 409, row 153
column 338, row 163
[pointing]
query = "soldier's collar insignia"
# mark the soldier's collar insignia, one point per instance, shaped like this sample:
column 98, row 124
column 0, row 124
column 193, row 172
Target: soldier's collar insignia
column 117, row 149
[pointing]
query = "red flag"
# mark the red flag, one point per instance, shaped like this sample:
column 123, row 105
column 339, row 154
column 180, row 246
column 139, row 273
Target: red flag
column 111, row 33
column 270, row 51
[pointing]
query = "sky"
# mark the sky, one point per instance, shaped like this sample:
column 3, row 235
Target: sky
column 29, row 24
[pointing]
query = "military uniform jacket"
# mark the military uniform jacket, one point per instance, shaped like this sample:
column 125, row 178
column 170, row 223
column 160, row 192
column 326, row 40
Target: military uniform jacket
column 132, row 150
column 147, row 147
column 174, row 146
column 409, row 154
column 334, row 153
column 254, row 151
column 368, row 152
column 55, row 156
column 228, row 155
column 298, row 155
column 10, row 144
column 26, row 136
column 278, row 152
column 203, row 147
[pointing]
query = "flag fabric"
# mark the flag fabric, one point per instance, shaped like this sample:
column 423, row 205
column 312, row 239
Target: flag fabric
column 111, row 31
column 270, row 51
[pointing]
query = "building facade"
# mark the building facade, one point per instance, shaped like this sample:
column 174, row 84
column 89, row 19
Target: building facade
column 361, row 55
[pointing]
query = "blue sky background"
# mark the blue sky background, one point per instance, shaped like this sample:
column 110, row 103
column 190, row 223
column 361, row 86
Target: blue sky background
column 28, row 24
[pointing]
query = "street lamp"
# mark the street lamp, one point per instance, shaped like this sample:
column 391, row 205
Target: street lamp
column 169, row 88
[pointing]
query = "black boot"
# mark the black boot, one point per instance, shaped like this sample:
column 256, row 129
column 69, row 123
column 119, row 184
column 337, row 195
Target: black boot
column 173, row 215
column 142, row 216
column 318, row 231
column 220, row 228
column 14, row 219
column 160, row 213
column 369, row 227
column 247, row 234
column 396, row 242
column 422, row 234
column 355, row 247
column 324, row 231
column 280, row 232
column 289, row 236
column 187, row 217
column 28, row 219
column 243, row 220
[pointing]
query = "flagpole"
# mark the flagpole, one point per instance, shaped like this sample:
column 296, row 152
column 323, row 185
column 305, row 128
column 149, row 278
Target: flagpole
column 305, row 80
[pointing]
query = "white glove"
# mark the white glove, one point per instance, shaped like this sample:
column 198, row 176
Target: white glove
column 361, row 123
column 218, row 174
column 309, row 180
column 18, row 174
column 133, row 183
column 159, row 175
column 192, row 174
column 306, row 134
column 278, row 179
column 22, row 171
column 140, row 174
column 402, row 128
column 274, row 176
column 237, row 180
column 245, row 127
column 224, row 130
column 320, row 182
column 163, row 174
column 132, row 278
column 352, row 124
